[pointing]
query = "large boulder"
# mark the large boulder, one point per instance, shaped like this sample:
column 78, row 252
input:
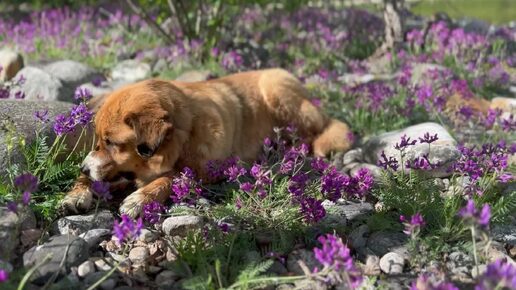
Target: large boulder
column 443, row 151
column 11, row 62
column 40, row 85
column 69, row 250
column 130, row 71
column 72, row 74
column 18, row 115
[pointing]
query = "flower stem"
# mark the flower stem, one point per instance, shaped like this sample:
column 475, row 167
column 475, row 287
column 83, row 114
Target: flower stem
column 473, row 238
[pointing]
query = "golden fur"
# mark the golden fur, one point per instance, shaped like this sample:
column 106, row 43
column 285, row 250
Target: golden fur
column 187, row 124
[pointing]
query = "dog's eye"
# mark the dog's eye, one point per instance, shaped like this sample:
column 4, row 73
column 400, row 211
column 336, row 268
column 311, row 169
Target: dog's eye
column 108, row 142
column 144, row 150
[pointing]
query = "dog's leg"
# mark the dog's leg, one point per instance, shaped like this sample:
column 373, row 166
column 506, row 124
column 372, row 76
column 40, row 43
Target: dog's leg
column 336, row 137
column 80, row 197
column 158, row 190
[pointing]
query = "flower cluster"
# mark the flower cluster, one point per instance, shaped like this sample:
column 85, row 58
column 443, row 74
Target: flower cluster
column 127, row 229
column 420, row 163
column 152, row 212
column 27, row 184
column 413, row 226
column 4, row 275
column 311, row 209
column 82, row 94
column 101, row 190
column 79, row 115
column 334, row 254
column 476, row 163
column 499, row 275
column 471, row 214
column 216, row 169
column 185, row 188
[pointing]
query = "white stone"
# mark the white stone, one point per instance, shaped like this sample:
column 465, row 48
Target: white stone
column 85, row 268
column 392, row 263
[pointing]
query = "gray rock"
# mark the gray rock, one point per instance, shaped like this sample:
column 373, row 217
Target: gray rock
column 41, row 86
column 95, row 236
column 193, row 76
column 372, row 266
column 352, row 79
column 10, row 63
column 505, row 234
column 139, row 255
column 309, row 284
column 346, row 210
column 85, row 269
column 358, row 236
column 131, row 71
column 18, row 115
column 103, row 264
column 277, row 269
column 475, row 26
column 475, row 272
column 166, row 278
column 78, row 224
column 72, row 250
column 301, row 255
column 392, row 263
column 354, row 155
column 9, row 233
column 443, row 151
column 380, row 243
column 108, row 284
column 180, row 225
column 71, row 74
column 147, row 236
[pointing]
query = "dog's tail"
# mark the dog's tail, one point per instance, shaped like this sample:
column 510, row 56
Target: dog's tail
column 335, row 137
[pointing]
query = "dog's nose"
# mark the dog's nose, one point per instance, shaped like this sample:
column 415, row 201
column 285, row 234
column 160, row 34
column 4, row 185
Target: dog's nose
column 85, row 170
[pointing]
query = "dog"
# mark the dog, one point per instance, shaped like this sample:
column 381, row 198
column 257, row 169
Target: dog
column 149, row 131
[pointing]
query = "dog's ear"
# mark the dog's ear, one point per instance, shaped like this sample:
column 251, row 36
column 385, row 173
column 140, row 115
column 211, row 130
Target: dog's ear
column 150, row 129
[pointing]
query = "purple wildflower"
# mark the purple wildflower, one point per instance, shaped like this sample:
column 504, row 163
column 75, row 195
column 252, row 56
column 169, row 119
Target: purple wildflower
column 427, row 138
column 466, row 112
column 388, row 163
column 492, row 115
column 4, row 275
column 234, row 172
column 63, row 125
column 361, row 183
column 297, row 184
column 334, row 253
column 509, row 124
column 471, row 214
column 26, row 182
column 312, row 210
column 499, row 275
column 41, row 116
column 404, row 143
column 82, row 94
column 424, row 93
column 420, row 163
column 505, row 177
column 152, row 212
column 127, row 229
column 81, row 115
column 246, row 187
column 12, row 206
column 224, row 227
column 333, row 183
column 101, row 190
column 293, row 158
column 19, row 95
column 413, row 226
column 184, row 186
column 319, row 165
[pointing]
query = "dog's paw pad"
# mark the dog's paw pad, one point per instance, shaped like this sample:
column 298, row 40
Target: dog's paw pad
column 133, row 204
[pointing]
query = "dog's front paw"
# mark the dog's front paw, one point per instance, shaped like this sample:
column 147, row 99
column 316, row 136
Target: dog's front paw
column 133, row 203
column 77, row 200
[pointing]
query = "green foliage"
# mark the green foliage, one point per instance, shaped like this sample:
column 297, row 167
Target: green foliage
column 215, row 260
column 54, row 169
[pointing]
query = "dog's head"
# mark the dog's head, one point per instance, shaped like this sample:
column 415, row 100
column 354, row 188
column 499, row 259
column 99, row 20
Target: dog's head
column 140, row 131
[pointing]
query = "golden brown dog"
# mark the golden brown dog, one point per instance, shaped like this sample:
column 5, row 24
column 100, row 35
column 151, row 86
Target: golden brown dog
column 150, row 130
